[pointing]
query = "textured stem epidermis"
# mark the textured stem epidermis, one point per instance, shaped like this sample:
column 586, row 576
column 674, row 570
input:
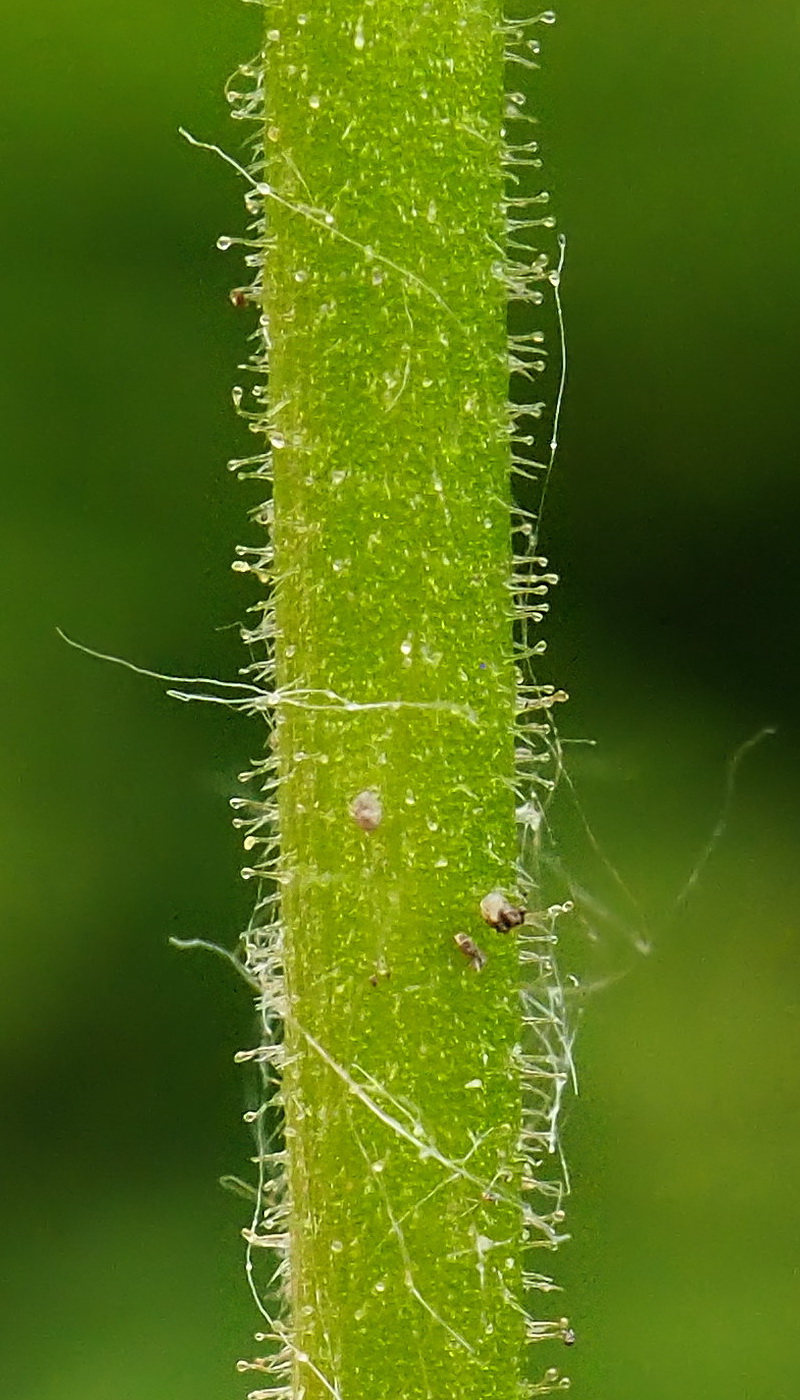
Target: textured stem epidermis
column 399, row 1028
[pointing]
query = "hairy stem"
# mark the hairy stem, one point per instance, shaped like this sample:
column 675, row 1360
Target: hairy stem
column 384, row 290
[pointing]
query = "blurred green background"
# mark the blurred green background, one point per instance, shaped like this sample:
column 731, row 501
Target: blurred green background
column 672, row 140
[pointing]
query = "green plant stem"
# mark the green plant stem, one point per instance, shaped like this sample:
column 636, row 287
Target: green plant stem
column 386, row 303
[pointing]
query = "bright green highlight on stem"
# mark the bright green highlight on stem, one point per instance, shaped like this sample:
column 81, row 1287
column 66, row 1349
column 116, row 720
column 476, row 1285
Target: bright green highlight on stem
column 385, row 292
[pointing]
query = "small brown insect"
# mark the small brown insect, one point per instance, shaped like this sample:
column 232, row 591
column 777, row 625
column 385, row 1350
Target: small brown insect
column 500, row 913
column 238, row 296
column 477, row 958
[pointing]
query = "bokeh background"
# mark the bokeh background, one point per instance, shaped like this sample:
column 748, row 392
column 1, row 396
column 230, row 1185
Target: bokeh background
column 672, row 140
